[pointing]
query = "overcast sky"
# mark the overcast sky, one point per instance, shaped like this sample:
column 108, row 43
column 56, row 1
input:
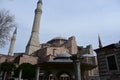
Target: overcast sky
column 84, row 19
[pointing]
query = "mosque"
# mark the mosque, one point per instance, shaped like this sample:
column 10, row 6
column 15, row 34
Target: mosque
column 53, row 58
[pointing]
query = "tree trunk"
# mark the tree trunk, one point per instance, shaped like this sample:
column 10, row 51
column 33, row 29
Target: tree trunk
column 4, row 76
column 20, row 75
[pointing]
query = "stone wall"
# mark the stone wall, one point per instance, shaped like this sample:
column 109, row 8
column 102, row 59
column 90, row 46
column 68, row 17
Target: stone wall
column 4, row 58
column 28, row 59
column 104, row 71
column 71, row 45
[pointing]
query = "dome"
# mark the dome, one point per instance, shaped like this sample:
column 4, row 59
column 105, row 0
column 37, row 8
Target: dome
column 63, row 55
column 59, row 37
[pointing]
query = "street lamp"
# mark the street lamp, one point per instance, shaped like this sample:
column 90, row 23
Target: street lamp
column 77, row 62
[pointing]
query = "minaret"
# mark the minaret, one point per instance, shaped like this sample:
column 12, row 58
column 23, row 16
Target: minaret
column 34, row 43
column 100, row 43
column 12, row 43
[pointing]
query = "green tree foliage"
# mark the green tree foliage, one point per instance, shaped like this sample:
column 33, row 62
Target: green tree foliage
column 7, row 66
column 28, row 71
column 7, row 24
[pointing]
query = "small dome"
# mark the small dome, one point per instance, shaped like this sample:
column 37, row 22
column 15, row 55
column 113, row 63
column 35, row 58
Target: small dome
column 63, row 55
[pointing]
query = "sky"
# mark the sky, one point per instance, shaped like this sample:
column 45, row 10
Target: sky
column 84, row 19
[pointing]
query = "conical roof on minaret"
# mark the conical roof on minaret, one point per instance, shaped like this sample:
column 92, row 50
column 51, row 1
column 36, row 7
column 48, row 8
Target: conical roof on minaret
column 15, row 32
column 40, row 1
column 100, row 43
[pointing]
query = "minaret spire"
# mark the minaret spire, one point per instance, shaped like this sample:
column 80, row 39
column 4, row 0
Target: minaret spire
column 40, row 1
column 12, row 43
column 34, row 43
column 100, row 43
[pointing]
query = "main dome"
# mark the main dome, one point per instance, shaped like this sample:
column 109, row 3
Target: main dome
column 57, row 39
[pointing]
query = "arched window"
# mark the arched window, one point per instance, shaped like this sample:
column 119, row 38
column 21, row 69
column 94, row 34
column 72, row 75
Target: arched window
column 64, row 76
column 50, row 77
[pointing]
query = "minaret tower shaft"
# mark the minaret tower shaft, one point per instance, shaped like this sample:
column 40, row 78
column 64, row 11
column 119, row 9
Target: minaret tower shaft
column 12, row 43
column 34, row 43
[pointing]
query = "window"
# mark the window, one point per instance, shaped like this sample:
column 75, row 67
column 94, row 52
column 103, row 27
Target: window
column 112, row 65
column 64, row 76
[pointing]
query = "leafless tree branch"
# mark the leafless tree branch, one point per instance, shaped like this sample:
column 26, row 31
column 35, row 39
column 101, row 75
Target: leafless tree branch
column 7, row 23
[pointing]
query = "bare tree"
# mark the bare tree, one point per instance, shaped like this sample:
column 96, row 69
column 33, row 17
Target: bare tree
column 7, row 23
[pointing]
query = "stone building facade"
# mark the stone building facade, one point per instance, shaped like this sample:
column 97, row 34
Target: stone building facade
column 109, row 62
column 37, row 52
column 23, row 58
column 4, row 58
column 57, row 45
